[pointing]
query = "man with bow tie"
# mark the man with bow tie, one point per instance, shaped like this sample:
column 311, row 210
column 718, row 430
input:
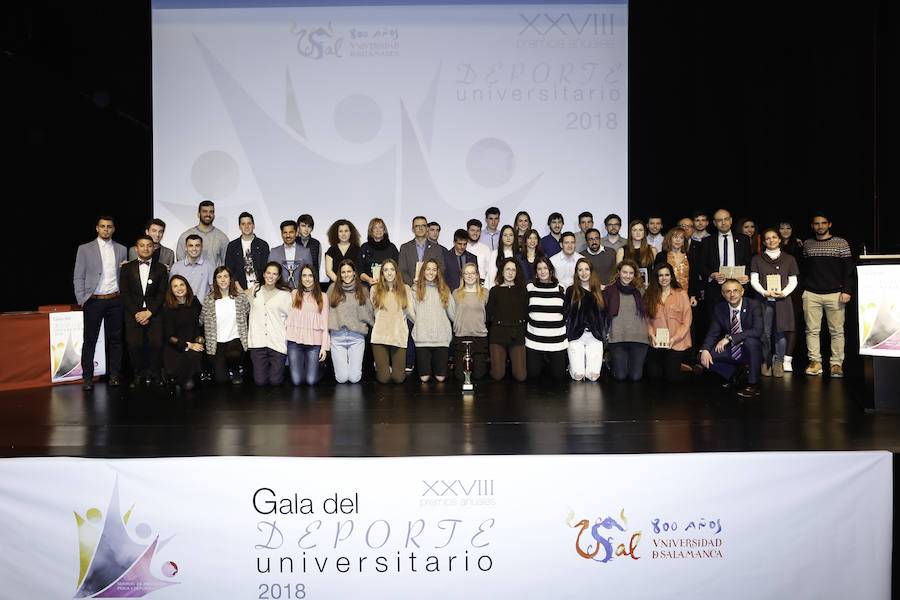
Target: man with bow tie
column 143, row 283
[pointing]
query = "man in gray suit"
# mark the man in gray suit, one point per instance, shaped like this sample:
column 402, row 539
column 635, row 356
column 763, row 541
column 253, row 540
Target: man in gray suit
column 156, row 228
column 96, row 282
column 418, row 250
column 290, row 255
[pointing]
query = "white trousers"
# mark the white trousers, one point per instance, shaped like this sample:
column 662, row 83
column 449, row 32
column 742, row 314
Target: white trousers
column 585, row 357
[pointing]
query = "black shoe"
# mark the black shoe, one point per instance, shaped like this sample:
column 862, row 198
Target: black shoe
column 134, row 383
column 114, row 381
column 751, row 391
column 157, row 381
column 87, row 387
column 205, row 377
column 236, row 379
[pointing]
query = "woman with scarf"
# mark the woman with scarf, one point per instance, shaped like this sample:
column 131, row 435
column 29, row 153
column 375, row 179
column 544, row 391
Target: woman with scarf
column 628, row 338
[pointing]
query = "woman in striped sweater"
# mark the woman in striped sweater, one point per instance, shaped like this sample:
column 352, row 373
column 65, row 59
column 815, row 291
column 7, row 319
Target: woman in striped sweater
column 545, row 335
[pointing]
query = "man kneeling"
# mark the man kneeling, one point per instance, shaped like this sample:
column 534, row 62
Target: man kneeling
column 734, row 339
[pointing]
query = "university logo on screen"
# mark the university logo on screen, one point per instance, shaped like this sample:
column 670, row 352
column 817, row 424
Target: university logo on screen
column 112, row 563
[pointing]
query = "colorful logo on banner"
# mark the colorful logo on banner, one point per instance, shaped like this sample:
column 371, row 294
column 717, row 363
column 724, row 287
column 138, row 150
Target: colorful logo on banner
column 111, row 563
column 605, row 539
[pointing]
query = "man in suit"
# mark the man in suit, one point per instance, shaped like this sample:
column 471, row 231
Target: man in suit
column 723, row 248
column 96, row 282
column 305, row 225
column 144, row 283
column 290, row 255
column 418, row 250
column 456, row 257
column 735, row 339
column 156, row 228
column 246, row 256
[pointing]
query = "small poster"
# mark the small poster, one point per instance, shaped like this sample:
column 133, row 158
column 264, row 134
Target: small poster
column 773, row 283
column 662, row 337
column 879, row 310
column 66, row 330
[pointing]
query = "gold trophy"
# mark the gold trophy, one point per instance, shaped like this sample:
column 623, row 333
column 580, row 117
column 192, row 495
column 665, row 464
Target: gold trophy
column 467, row 387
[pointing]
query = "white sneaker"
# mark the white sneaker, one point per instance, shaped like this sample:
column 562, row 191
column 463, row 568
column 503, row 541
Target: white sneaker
column 787, row 364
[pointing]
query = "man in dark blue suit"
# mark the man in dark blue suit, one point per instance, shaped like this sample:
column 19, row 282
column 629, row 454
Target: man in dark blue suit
column 456, row 257
column 735, row 339
column 722, row 248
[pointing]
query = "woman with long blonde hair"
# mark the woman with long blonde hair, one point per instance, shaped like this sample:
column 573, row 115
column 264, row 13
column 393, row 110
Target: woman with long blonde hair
column 393, row 305
column 469, row 324
column 432, row 333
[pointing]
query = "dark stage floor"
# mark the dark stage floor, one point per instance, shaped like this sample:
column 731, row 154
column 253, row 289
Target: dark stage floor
column 796, row 413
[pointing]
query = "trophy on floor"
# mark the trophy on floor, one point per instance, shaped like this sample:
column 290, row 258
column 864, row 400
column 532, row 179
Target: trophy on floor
column 468, row 387
column 291, row 266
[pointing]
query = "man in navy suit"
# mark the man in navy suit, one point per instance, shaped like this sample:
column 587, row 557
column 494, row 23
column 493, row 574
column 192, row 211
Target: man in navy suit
column 735, row 339
column 96, row 282
column 144, row 284
column 290, row 255
column 456, row 257
column 723, row 248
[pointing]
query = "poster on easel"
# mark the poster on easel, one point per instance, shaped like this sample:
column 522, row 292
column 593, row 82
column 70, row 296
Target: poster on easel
column 66, row 333
column 879, row 310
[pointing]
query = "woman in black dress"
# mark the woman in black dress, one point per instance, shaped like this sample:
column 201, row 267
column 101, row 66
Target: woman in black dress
column 182, row 355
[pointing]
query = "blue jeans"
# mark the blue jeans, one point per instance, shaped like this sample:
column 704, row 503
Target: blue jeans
column 780, row 337
column 626, row 360
column 347, row 348
column 303, row 362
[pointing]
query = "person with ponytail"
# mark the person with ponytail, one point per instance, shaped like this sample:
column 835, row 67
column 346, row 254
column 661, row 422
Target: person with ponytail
column 308, row 340
column 349, row 320
column 628, row 338
column 585, row 322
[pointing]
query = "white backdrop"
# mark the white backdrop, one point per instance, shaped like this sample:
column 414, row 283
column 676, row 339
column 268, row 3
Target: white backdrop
column 737, row 525
column 391, row 111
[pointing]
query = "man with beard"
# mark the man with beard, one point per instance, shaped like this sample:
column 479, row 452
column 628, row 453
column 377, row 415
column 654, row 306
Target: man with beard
column 215, row 242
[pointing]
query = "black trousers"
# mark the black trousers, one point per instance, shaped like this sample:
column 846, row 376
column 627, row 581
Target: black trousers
column 96, row 312
column 479, row 352
column 228, row 356
column 144, row 345
column 665, row 364
column 537, row 362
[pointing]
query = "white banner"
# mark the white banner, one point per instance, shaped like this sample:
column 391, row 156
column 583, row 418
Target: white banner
column 66, row 336
column 737, row 525
column 391, row 111
column 879, row 309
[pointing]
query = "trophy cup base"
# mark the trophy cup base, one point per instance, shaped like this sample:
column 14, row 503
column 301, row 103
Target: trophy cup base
column 468, row 388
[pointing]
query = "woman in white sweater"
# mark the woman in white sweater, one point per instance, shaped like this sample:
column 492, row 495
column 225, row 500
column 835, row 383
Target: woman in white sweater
column 270, row 303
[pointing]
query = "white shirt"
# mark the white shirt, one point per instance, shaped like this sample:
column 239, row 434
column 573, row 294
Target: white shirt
column 144, row 270
column 109, row 279
column 656, row 241
column 290, row 252
column 493, row 239
column 565, row 267
column 226, row 320
column 721, row 238
column 482, row 253
column 491, row 274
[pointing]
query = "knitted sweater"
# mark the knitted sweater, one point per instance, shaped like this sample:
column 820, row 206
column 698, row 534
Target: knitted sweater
column 827, row 266
column 432, row 327
column 390, row 326
column 307, row 325
column 628, row 325
column 351, row 314
column 546, row 330
column 208, row 320
column 268, row 315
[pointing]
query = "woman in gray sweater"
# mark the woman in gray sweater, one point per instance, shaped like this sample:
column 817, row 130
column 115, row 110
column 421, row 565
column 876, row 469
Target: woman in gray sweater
column 628, row 337
column 349, row 320
column 434, row 308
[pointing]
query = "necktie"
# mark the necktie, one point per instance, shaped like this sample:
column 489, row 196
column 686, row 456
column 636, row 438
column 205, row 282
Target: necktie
column 143, row 262
column 735, row 328
column 724, row 249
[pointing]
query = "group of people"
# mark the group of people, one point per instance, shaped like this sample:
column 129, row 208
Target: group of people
column 500, row 299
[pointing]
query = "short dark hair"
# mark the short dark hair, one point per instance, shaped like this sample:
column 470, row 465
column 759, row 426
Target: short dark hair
column 205, row 203
column 434, row 224
column 306, row 220
column 143, row 237
column 158, row 222
column 460, row 234
column 105, row 218
column 566, row 234
column 585, row 214
column 592, row 229
column 611, row 216
column 417, row 217
column 193, row 236
column 818, row 213
column 555, row 215
column 699, row 212
column 654, row 216
column 471, row 222
column 493, row 210
column 287, row 223
column 245, row 214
